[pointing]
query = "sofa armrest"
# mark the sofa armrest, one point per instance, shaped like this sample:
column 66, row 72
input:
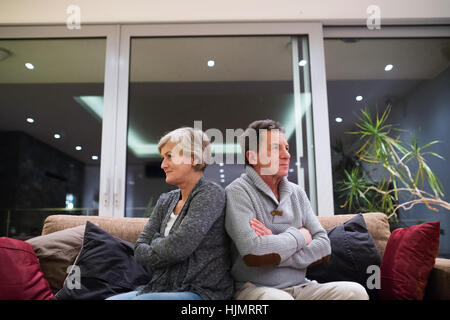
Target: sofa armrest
column 438, row 286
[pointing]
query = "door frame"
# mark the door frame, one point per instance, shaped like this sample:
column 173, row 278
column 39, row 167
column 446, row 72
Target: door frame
column 314, row 31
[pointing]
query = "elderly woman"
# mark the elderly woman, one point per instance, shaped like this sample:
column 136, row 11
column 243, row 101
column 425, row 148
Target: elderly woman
column 184, row 241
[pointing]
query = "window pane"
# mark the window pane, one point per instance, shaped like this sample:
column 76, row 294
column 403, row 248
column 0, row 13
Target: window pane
column 413, row 77
column 223, row 83
column 51, row 106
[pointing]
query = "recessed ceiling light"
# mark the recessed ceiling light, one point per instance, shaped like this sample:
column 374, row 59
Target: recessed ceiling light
column 78, row 148
column 359, row 98
column 57, row 136
column 388, row 67
column 30, row 120
column 221, row 170
column 29, row 66
column 222, row 176
column 221, row 164
column 338, row 119
column 94, row 157
column 222, row 180
column 211, row 63
column 302, row 63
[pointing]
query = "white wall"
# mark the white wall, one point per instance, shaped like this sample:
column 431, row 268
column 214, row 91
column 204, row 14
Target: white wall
column 145, row 11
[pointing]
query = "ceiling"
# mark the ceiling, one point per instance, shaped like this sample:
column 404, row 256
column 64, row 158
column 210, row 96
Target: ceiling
column 55, row 61
column 236, row 59
column 54, row 111
column 365, row 59
column 415, row 61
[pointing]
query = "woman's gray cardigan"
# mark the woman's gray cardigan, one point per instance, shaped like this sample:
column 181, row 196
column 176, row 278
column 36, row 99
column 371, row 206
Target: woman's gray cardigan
column 195, row 255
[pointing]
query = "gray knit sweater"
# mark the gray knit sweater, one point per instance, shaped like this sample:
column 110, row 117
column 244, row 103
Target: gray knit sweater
column 195, row 256
column 278, row 260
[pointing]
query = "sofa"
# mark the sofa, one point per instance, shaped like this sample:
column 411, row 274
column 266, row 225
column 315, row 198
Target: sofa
column 128, row 229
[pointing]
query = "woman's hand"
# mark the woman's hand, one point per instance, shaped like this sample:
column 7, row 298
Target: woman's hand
column 259, row 228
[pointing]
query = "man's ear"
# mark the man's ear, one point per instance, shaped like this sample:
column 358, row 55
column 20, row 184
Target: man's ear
column 251, row 157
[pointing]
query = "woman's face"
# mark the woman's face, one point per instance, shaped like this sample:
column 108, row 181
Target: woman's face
column 177, row 168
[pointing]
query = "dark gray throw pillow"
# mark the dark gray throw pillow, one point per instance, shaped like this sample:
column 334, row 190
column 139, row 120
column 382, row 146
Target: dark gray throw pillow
column 107, row 267
column 352, row 251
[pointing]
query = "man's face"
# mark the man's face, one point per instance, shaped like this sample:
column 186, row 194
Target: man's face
column 273, row 156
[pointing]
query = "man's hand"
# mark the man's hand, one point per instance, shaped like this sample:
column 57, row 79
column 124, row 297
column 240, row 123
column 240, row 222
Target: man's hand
column 306, row 234
column 259, row 228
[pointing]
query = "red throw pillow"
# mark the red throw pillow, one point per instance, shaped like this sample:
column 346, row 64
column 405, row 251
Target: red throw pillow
column 408, row 260
column 21, row 277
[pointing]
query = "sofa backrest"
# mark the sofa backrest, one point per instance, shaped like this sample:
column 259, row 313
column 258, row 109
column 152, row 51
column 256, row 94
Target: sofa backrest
column 128, row 229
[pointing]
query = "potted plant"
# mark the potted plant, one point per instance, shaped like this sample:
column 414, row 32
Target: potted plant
column 405, row 171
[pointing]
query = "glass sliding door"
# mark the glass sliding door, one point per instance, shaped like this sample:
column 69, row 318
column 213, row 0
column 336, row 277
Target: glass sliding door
column 412, row 76
column 51, row 114
column 218, row 84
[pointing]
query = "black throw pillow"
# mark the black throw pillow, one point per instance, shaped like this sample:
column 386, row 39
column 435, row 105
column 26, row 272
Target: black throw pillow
column 352, row 251
column 107, row 267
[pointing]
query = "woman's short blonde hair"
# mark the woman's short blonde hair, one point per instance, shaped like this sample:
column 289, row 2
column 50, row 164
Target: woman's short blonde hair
column 192, row 143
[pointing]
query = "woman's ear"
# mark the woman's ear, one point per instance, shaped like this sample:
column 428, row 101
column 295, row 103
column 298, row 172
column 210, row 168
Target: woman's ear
column 193, row 161
column 251, row 157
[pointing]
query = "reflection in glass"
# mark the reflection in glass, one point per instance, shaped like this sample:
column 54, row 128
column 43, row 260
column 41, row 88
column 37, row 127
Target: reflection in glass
column 213, row 84
column 413, row 76
column 46, row 88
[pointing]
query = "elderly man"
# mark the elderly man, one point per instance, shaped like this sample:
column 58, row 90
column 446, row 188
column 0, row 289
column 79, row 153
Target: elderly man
column 275, row 232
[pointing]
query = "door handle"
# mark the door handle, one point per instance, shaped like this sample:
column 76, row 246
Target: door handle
column 106, row 193
column 117, row 190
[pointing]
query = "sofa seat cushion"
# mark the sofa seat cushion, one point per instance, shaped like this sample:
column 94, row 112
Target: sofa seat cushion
column 438, row 286
column 21, row 277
